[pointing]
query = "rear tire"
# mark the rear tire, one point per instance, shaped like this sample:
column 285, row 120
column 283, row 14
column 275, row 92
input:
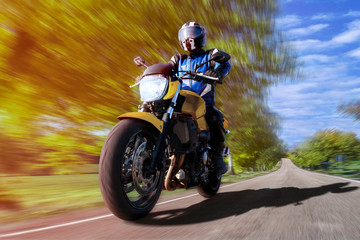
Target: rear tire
column 128, row 188
column 211, row 187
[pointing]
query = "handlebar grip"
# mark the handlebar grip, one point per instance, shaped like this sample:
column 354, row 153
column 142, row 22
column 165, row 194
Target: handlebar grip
column 200, row 76
column 211, row 78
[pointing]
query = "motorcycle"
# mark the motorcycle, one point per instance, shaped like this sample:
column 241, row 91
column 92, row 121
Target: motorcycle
column 165, row 145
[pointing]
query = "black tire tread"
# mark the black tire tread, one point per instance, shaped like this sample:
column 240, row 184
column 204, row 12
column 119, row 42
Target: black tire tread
column 109, row 169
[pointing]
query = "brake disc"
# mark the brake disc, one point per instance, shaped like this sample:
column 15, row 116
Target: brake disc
column 143, row 180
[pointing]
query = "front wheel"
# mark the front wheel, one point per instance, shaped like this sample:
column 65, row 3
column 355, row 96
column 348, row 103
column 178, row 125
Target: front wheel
column 128, row 188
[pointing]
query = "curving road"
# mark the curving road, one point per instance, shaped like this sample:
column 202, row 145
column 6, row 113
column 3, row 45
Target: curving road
column 287, row 204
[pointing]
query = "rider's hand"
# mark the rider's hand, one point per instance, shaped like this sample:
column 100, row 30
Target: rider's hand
column 211, row 73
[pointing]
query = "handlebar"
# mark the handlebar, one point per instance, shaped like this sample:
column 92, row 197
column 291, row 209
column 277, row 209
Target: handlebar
column 197, row 76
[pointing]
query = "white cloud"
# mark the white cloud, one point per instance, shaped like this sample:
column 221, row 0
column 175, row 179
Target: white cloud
column 287, row 1
column 289, row 21
column 317, row 58
column 311, row 44
column 310, row 104
column 322, row 16
column 352, row 14
column 354, row 53
column 307, row 30
column 349, row 36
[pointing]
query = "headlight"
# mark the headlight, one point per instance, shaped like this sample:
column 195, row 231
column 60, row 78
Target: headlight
column 153, row 87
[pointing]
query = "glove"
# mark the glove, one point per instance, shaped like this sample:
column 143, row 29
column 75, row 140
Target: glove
column 211, row 73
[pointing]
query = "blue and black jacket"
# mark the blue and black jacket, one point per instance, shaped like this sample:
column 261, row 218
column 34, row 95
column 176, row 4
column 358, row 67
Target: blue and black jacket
column 183, row 62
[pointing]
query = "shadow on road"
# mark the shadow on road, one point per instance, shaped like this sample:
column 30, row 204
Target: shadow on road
column 228, row 204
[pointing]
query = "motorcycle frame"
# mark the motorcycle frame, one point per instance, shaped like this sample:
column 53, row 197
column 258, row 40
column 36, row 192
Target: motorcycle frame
column 157, row 161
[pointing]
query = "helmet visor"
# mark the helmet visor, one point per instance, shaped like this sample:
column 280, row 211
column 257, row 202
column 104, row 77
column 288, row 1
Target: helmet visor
column 189, row 32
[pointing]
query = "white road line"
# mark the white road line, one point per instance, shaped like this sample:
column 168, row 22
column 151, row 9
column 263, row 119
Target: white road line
column 94, row 218
column 332, row 176
column 326, row 175
column 176, row 199
column 55, row 226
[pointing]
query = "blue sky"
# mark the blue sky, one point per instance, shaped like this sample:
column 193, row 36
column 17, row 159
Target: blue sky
column 326, row 37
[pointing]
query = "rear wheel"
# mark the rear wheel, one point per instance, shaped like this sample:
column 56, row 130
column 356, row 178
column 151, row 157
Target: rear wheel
column 129, row 189
column 212, row 185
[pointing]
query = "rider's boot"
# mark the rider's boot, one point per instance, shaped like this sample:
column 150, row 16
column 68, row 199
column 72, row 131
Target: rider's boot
column 215, row 119
column 220, row 165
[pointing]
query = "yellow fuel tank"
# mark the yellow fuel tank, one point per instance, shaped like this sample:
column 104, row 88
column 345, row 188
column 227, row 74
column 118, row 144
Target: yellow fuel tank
column 196, row 107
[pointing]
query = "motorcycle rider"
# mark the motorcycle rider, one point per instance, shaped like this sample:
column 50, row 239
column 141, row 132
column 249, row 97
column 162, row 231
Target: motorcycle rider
column 192, row 38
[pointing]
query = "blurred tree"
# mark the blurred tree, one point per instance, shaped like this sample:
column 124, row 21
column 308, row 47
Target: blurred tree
column 65, row 68
column 260, row 59
column 324, row 146
column 352, row 109
column 16, row 154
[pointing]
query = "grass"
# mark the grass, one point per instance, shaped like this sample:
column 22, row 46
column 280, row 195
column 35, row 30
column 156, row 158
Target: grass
column 29, row 197
column 347, row 170
column 229, row 178
column 40, row 196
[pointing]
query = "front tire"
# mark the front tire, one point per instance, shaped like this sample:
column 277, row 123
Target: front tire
column 128, row 188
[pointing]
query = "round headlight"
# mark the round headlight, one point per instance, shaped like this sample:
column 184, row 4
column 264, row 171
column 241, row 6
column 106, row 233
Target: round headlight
column 153, row 87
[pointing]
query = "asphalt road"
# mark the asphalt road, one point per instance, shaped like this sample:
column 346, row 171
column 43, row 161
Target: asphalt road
column 287, row 204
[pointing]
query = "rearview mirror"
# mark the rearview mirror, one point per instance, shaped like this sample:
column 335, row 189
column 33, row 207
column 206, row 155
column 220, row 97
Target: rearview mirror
column 220, row 57
column 139, row 61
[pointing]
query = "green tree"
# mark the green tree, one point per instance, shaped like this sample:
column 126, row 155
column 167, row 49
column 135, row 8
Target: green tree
column 324, row 146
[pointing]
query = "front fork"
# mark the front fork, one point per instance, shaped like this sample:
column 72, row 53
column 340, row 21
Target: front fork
column 157, row 161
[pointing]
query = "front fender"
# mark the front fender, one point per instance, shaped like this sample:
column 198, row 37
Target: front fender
column 148, row 117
